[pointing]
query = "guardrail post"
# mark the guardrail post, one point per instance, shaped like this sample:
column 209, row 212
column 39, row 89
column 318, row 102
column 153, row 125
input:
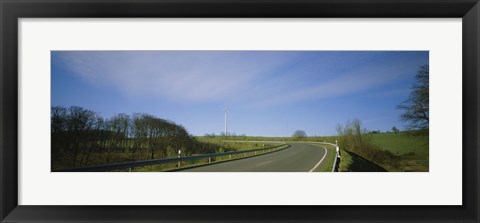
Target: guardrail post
column 245, row 155
column 336, row 164
column 255, row 153
column 230, row 156
column 179, row 154
column 209, row 159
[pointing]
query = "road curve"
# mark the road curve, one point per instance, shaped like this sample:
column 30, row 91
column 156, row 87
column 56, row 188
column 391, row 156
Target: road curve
column 300, row 157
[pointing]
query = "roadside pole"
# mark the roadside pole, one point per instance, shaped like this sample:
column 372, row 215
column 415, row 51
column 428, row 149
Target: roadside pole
column 179, row 154
column 337, row 149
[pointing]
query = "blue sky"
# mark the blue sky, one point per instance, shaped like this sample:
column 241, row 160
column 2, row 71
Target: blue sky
column 268, row 93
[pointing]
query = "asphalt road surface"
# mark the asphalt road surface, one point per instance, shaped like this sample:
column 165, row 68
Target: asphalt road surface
column 300, row 157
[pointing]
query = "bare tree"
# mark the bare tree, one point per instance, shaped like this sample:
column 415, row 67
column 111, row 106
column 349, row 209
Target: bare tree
column 79, row 122
column 416, row 107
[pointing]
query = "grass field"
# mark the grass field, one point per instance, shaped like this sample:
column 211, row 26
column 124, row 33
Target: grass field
column 402, row 143
column 412, row 151
column 330, row 139
column 232, row 145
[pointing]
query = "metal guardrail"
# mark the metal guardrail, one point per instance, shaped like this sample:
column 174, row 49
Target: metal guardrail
column 336, row 164
column 128, row 165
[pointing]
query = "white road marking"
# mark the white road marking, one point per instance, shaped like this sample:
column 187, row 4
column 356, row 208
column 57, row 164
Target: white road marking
column 315, row 167
column 264, row 163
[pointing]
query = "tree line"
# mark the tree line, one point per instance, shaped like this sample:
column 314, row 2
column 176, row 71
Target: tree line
column 81, row 137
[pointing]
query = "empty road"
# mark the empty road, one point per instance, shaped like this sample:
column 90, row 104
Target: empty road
column 300, row 157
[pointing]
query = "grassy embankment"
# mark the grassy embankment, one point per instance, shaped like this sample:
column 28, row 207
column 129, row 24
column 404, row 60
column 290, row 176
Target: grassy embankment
column 346, row 162
column 411, row 153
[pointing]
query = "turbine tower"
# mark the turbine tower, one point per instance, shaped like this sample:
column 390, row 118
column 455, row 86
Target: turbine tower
column 226, row 112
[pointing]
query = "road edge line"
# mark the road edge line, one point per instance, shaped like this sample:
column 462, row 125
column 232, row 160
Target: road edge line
column 315, row 167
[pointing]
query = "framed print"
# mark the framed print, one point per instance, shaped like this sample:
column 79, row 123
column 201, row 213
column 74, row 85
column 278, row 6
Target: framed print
column 239, row 111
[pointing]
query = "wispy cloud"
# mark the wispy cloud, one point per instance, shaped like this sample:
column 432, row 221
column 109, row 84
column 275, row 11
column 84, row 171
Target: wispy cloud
column 405, row 91
column 177, row 75
column 260, row 78
column 343, row 84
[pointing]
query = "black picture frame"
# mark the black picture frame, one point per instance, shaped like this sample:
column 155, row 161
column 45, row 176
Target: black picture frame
column 11, row 11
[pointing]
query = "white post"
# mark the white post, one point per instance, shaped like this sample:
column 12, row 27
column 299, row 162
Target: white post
column 179, row 154
column 338, row 149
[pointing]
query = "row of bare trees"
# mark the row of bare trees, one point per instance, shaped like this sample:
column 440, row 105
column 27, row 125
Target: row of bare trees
column 81, row 137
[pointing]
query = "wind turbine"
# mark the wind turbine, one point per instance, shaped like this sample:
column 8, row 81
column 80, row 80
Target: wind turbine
column 226, row 113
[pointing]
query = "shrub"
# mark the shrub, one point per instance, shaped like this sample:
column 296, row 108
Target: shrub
column 355, row 138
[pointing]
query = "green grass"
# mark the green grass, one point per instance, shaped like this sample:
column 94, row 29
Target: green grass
column 346, row 161
column 264, row 138
column 226, row 144
column 412, row 151
column 402, row 143
column 327, row 163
